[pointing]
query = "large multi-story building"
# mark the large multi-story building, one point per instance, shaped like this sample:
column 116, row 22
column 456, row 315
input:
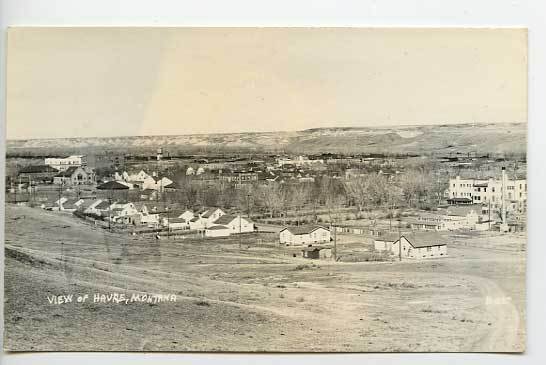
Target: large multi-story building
column 489, row 192
column 106, row 160
column 62, row 164
column 239, row 177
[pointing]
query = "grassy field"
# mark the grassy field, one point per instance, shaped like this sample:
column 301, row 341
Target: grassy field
column 254, row 297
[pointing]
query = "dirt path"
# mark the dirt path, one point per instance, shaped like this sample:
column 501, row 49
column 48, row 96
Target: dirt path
column 452, row 304
column 503, row 332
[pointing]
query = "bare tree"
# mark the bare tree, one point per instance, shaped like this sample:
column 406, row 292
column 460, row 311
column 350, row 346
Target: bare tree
column 298, row 197
column 271, row 197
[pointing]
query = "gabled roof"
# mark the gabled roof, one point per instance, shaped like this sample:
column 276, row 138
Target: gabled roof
column 68, row 172
column 172, row 214
column 302, row 229
column 217, row 228
column 102, row 205
column 225, row 219
column 416, row 239
column 87, row 203
column 172, row 185
column 112, row 185
column 209, row 212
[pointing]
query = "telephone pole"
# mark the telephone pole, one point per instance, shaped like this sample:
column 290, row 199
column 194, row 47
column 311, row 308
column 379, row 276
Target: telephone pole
column 335, row 242
column 399, row 238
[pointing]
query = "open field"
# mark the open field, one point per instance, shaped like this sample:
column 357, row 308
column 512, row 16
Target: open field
column 256, row 297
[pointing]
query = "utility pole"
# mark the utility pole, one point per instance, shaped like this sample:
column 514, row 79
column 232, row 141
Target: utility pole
column 240, row 243
column 334, row 232
column 60, row 193
column 248, row 205
column 399, row 238
column 110, row 214
column 489, row 213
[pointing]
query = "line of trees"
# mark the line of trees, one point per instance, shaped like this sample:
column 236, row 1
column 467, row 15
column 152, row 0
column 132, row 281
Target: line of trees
column 417, row 187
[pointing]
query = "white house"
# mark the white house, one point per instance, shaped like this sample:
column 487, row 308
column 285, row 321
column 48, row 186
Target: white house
column 416, row 245
column 217, row 231
column 103, row 208
column 156, row 183
column 210, row 215
column 139, row 176
column 147, row 217
column 176, row 223
column 190, row 171
column 177, row 219
column 124, row 212
column 93, row 207
column 304, row 235
column 197, row 223
column 72, row 204
column 187, row 215
column 235, row 224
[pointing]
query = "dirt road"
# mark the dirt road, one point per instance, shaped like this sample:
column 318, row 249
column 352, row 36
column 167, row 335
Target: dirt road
column 258, row 298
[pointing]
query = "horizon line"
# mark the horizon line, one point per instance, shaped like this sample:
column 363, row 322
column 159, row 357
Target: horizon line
column 271, row 131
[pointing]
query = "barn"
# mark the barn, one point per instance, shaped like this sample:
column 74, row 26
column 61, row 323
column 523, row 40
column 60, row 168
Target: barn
column 304, row 235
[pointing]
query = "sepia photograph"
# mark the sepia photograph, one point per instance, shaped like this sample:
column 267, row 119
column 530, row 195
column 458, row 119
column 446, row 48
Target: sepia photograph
column 284, row 190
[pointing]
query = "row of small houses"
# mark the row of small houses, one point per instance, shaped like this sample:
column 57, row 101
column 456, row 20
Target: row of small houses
column 213, row 222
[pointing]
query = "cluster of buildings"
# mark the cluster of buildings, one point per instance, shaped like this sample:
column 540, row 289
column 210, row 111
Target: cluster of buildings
column 211, row 222
column 146, row 182
column 71, row 170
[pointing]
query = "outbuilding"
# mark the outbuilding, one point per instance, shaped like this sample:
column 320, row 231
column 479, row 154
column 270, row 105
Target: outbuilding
column 317, row 252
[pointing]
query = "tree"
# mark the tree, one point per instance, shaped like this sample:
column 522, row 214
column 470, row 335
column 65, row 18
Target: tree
column 332, row 195
column 357, row 189
column 271, row 197
column 298, row 197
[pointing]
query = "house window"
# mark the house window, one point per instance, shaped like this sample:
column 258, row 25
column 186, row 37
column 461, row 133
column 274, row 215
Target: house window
column 429, row 249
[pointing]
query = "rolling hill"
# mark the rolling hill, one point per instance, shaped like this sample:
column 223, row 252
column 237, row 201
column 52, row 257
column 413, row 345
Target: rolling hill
column 463, row 138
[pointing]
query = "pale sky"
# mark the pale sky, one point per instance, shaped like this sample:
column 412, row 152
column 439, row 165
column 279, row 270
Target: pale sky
column 83, row 82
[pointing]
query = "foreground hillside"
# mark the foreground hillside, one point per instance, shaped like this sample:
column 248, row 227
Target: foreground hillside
column 483, row 138
column 253, row 297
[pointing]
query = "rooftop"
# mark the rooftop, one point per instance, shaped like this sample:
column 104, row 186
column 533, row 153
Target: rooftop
column 416, row 239
column 68, row 172
column 216, row 228
column 302, row 229
column 225, row 219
